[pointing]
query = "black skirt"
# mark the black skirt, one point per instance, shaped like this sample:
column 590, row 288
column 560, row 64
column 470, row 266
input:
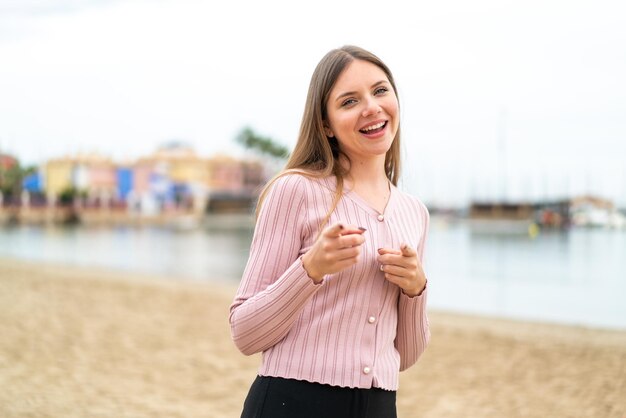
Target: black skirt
column 275, row 397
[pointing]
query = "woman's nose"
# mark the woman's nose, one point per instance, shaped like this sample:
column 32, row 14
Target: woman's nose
column 371, row 107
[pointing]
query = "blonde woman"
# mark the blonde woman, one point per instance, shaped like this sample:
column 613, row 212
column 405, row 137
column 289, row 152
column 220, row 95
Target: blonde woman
column 334, row 294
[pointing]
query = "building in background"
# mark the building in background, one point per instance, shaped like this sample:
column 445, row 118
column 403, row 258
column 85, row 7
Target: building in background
column 173, row 179
column 234, row 184
column 8, row 167
column 7, row 162
column 95, row 176
column 58, row 176
column 91, row 176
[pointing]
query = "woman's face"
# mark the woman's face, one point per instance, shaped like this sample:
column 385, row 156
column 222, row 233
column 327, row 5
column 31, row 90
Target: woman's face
column 362, row 112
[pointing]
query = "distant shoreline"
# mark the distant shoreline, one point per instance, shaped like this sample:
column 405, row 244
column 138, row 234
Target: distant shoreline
column 122, row 217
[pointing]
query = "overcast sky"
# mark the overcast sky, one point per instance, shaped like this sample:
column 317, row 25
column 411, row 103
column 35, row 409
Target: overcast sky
column 521, row 99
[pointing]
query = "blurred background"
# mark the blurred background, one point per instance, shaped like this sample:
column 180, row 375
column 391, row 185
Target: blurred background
column 146, row 128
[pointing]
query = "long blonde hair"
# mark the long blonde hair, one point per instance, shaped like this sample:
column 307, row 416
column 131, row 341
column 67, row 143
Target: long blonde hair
column 317, row 155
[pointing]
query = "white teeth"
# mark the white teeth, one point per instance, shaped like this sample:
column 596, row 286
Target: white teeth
column 373, row 127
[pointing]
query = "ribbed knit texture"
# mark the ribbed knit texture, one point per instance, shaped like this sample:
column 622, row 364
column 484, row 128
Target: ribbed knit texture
column 355, row 329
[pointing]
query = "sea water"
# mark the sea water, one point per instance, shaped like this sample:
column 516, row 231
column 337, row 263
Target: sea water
column 577, row 276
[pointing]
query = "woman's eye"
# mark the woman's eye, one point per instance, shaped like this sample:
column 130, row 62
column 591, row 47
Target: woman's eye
column 381, row 90
column 348, row 102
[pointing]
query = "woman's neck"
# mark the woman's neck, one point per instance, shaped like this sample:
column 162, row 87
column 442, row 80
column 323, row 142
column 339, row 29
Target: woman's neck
column 369, row 181
column 368, row 174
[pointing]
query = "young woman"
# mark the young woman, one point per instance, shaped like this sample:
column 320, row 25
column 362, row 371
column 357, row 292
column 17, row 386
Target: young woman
column 334, row 294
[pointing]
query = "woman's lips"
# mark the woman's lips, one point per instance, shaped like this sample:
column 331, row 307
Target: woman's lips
column 374, row 133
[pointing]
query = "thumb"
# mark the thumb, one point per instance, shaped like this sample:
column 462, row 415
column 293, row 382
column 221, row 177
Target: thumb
column 407, row 250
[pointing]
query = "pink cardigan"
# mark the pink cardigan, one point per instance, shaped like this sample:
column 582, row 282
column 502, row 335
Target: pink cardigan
column 355, row 329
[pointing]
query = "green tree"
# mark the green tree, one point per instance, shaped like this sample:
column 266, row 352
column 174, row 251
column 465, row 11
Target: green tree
column 69, row 194
column 11, row 180
column 263, row 145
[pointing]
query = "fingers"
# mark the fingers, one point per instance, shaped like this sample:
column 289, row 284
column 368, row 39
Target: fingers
column 397, row 280
column 403, row 270
column 390, row 269
column 401, row 262
column 345, row 246
column 345, row 257
column 340, row 229
column 337, row 248
column 339, row 236
column 405, row 257
column 351, row 240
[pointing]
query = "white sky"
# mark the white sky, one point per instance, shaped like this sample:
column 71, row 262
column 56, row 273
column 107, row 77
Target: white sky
column 525, row 99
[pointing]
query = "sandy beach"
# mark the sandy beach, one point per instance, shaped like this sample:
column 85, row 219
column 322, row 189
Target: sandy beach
column 78, row 342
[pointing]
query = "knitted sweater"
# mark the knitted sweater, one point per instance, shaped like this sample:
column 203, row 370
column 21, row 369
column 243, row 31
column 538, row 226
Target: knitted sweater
column 355, row 329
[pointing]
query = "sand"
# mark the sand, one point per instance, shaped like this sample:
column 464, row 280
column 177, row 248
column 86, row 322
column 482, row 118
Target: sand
column 78, row 342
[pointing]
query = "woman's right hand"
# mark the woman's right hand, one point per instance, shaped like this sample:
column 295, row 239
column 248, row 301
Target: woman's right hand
column 337, row 248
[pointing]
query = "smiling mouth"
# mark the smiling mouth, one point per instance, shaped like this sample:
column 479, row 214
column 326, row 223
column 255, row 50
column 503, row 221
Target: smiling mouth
column 374, row 128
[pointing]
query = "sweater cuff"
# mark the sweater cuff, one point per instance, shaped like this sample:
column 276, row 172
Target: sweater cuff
column 412, row 300
column 306, row 274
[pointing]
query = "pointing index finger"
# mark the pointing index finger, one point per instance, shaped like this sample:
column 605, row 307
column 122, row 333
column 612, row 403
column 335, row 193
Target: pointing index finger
column 339, row 229
column 383, row 251
column 334, row 230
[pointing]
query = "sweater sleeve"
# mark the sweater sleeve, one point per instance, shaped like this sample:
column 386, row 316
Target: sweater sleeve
column 275, row 287
column 413, row 332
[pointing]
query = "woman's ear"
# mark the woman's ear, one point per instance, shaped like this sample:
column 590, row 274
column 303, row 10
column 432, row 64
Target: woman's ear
column 329, row 132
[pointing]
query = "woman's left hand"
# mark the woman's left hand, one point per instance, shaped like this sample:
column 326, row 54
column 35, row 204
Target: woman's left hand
column 402, row 268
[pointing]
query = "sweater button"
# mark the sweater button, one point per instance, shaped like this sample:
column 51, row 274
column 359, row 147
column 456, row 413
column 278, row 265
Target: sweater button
column 381, row 217
column 366, row 370
column 371, row 319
